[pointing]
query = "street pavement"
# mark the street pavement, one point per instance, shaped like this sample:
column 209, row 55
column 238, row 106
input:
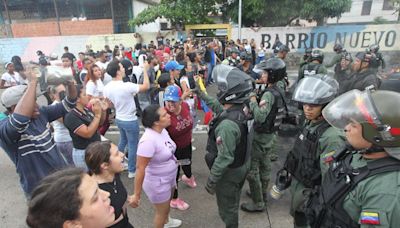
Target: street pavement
column 203, row 210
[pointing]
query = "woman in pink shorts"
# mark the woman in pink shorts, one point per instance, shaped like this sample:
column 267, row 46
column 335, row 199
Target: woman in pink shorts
column 156, row 166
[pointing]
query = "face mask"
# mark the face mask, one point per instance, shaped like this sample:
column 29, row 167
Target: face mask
column 157, row 67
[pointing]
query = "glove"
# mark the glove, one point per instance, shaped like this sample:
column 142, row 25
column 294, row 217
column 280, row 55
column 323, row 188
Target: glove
column 210, row 186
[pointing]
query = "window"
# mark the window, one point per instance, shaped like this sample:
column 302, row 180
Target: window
column 366, row 8
column 387, row 5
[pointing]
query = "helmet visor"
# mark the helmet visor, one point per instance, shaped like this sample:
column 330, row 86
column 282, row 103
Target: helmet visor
column 353, row 106
column 319, row 89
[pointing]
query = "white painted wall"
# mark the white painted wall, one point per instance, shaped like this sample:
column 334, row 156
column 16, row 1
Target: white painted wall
column 138, row 7
column 354, row 16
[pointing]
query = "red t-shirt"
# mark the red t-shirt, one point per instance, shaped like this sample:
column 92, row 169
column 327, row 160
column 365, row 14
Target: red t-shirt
column 181, row 126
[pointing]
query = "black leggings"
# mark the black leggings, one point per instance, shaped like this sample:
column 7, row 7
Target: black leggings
column 183, row 153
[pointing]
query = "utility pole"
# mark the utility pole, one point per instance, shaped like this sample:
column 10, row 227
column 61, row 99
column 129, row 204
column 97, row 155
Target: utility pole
column 57, row 16
column 240, row 20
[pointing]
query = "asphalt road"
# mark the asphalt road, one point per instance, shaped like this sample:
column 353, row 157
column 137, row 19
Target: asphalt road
column 203, row 210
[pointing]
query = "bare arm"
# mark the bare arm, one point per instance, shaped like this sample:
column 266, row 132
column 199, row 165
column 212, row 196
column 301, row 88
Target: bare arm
column 27, row 103
column 2, row 84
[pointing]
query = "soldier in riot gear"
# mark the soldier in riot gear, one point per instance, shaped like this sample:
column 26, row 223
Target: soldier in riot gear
column 314, row 147
column 361, row 188
column 362, row 76
column 268, row 109
column 339, row 51
column 343, row 75
column 314, row 67
column 229, row 140
column 245, row 63
column 377, row 60
column 306, row 57
column 234, row 59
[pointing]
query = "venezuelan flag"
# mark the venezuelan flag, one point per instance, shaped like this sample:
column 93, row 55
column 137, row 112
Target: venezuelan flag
column 371, row 218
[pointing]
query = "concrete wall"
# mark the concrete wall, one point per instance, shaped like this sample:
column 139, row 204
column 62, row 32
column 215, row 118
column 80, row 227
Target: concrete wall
column 68, row 28
column 26, row 47
column 354, row 38
column 354, row 16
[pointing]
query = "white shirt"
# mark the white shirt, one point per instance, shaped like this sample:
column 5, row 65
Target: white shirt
column 102, row 65
column 12, row 79
column 95, row 89
column 121, row 94
column 61, row 133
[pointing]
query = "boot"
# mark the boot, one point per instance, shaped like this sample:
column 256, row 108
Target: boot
column 251, row 207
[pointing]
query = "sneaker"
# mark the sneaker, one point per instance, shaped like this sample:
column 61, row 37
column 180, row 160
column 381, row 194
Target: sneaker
column 193, row 148
column 131, row 174
column 189, row 181
column 173, row 223
column 179, row 204
column 192, row 139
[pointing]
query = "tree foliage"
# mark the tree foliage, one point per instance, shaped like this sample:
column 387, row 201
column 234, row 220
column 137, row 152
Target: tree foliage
column 261, row 12
column 283, row 12
column 177, row 11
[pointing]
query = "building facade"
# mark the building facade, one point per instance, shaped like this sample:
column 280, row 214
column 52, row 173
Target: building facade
column 30, row 18
column 366, row 11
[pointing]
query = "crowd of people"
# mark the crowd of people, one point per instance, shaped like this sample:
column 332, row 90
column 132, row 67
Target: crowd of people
column 347, row 120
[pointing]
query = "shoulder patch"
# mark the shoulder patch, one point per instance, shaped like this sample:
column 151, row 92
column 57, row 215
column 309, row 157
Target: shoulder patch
column 328, row 157
column 369, row 218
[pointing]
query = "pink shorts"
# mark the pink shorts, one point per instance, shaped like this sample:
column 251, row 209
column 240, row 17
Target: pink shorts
column 159, row 189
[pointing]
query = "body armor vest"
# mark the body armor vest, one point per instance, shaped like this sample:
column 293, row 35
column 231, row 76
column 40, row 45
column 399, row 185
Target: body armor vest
column 302, row 162
column 278, row 112
column 242, row 151
column 324, row 207
column 311, row 70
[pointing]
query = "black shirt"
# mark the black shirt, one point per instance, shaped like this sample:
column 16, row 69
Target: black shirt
column 75, row 119
column 118, row 196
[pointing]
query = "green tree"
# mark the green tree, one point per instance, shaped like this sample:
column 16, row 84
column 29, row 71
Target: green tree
column 320, row 9
column 178, row 12
column 283, row 12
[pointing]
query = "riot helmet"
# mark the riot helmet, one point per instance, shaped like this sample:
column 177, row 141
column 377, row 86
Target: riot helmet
column 365, row 57
column 376, row 111
column 308, row 51
column 347, row 56
column 283, row 48
column 373, row 48
column 316, row 89
column 275, row 67
column 337, row 48
column 317, row 55
column 390, row 84
column 234, row 86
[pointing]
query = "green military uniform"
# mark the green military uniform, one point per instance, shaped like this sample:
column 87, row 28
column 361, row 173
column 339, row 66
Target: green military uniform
column 335, row 60
column 319, row 69
column 260, row 168
column 229, row 181
column 276, row 140
column 329, row 142
column 376, row 196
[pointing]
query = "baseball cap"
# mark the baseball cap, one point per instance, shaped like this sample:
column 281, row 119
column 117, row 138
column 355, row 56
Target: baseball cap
column 173, row 65
column 171, row 93
column 12, row 95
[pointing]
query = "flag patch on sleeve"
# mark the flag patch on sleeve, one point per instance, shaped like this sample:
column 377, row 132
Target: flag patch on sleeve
column 370, row 218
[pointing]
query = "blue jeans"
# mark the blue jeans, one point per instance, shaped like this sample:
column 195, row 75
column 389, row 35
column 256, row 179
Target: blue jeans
column 210, row 68
column 78, row 156
column 129, row 135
